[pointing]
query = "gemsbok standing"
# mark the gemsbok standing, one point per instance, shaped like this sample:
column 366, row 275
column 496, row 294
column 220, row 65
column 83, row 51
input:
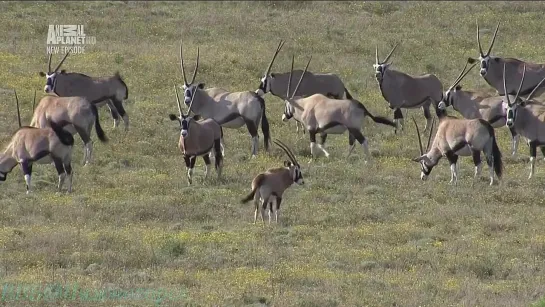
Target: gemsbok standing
column 525, row 122
column 323, row 115
column 491, row 69
column 229, row 109
column 269, row 186
column 454, row 134
column 31, row 145
column 328, row 84
column 475, row 105
column 79, row 115
column 403, row 91
column 198, row 138
column 72, row 84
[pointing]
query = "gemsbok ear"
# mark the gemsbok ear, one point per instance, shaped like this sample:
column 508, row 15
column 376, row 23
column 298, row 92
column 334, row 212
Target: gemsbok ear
column 496, row 59
column 42, row 74
column 63, row 71
column 173, row 117
column 471, row 60
column 201, row 85
column 458, row 87
column 287, row 163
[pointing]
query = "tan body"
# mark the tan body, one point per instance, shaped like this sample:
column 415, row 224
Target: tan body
column 328, row 84
column 201, row 138
column 454, row 134
column 31, row 145
column 404, row 91
column 493, row 68
column 530, row 123
column 80, row 115
column 323, row 115
column 268, row 187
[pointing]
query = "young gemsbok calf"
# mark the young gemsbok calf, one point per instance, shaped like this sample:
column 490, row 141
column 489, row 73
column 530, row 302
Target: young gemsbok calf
column 198, row 138
column 77, row 112
column 31, row 145
column 270, row 185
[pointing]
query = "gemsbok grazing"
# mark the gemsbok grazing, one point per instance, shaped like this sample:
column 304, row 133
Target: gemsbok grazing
column 229, row 109
column 269, row 186
column 491, row 70
column 31, row 145
column 77, row 113
column 323, row 115
column 525, row 122
column 328, row 84
column 454, row 135
column 72, row 84
column 198, row 138
column 403, row 91
column 472, row 105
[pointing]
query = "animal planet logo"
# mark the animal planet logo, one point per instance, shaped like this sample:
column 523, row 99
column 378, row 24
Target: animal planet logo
column 64, row 38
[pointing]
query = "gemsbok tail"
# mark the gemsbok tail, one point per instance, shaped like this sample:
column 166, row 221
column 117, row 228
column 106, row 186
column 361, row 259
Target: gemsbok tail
column 496, row 153
column 256, row 184
column 377, row 119
column 98, row 128
column 264, row 124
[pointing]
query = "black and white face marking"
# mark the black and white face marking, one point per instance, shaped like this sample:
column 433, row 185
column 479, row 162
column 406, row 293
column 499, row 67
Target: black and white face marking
column 188, row 92
column 379, row 70
column 424, row 170
column 485, row 61
column 50, row 82
column 511, row 112
column 445, row 101
column 288, row 112
column 295, row 171
column 264, row 85
column 184, row 124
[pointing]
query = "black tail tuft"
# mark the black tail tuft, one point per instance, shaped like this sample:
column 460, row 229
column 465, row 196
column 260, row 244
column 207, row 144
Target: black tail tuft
column 264, row 125
column 218, row 157
column 249, row 196
column 376, row 119
column 64, row 136
column 496, row 153
column 348, row 96
column 98, row 128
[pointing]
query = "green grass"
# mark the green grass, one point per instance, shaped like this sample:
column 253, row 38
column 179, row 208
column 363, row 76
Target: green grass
column 353, row 235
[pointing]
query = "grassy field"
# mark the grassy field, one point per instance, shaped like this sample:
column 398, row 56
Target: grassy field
column 353, row 235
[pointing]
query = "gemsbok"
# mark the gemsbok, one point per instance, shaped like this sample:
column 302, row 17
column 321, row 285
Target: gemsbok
column 79, row 115
column 471, row 104
column 328, row 84
column 198, row 138
column 454, row 134
column 403, row 91
column 31, row 145
column 72, row 84
column 491, row 70
column 525, row 122
column 323, row 115
column 229, row 109
column 269, row 186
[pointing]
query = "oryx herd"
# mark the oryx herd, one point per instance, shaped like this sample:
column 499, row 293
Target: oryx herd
column 320, row 104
